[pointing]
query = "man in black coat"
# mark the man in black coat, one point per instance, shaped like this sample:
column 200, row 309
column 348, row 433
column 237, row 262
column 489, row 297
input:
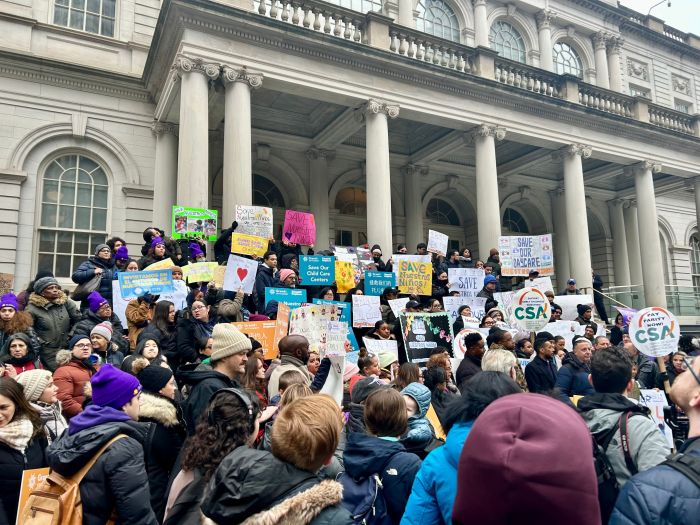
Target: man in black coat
column 222, row 247
column 471, row 364
column 265, row 278
column 541, row 373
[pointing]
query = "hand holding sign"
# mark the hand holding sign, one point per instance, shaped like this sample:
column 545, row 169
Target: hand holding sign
column 240, row 273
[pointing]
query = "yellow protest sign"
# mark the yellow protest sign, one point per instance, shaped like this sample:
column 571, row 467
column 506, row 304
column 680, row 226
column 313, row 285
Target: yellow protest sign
column 199, row 272
column 161, row 265
column 219, row 273
column 415, row 277
column 344, row 276
column 248, row 244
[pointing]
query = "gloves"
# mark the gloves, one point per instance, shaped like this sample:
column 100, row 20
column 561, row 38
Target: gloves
column 148, row 298
column 234, row 225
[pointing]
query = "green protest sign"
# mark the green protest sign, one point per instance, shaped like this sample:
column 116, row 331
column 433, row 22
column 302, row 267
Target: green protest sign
column 194, row 223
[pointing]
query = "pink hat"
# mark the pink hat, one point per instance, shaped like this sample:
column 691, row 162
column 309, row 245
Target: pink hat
column 350, row 370
column 286, row 273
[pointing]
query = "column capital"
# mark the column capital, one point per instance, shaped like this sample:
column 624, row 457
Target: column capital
column 645, row 165
column 557, row 192
column 615, row 44
column 314, row 153
column 487, row 130
column 163, row 128
column 230, row 75
column 629, row 203
column 582, row 150
column 600, row 39
column 411, row 168
column 544, row 18
column 479, row 3
column 616, row 202
column 184, row 64
column 379, row 106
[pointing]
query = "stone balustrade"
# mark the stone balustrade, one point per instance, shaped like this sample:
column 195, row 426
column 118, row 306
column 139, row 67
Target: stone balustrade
column 526, row 77
column 427, row 48
column 605, row 100
column 671, row 119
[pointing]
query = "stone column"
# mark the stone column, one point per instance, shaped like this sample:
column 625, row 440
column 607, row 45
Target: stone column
column 238, row 162
column 621, row 263
column 378, row 172
column 601, row 60
column 614, row 67
column 634, row 258
column 576, row 216
column 318, row 193
column 544, row 29
column 649, row 243
column 165, row 173
column 406, row 15
column 481, row 24
column 697, row 203
column 488, row 205
column 561, row 238
column 193, row 151
column 413, row 205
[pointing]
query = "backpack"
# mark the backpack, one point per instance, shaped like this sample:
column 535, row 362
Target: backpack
column 57, row 500
column 364, row 499
column 687, row 465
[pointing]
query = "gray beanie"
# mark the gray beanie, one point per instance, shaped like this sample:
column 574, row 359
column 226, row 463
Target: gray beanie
column 101, row 247
column 42, row 284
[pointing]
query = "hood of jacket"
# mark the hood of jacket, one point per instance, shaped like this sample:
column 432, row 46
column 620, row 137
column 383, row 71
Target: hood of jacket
column 454, row 442
column 159, row 408
column 602, row 411
column 365, row 455
column 421, row 395
column 42, row 302
column 356, row 419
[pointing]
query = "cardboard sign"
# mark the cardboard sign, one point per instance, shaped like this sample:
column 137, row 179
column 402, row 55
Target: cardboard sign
column 194, row 222
column 531, row 310
column 263, row 332
column 365, row 311
column 334, row 382
column 655, row 331
column 522, row 253
column 316, row 270
column 423, row 332
column 249, row 244
column 376, row 282
column 201, row 272
column 397, row 305
column 299, row 228
column 452, row 305
column 292, row 297
column 240, row 274
column 568, row 305
column 375, row 346
column 219, row 276
column 437, row 242
column 6, row 283
column 415, row 277
column 134, row 284
column 467, row 281
column 31, row 479
column 254, row 220
column 344, row 276
column 165, row 264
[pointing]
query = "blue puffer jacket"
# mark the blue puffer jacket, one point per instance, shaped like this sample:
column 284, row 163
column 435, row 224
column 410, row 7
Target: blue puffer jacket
column 659, row 496
column 572, row 379
column 86, row 271
column 435, row 487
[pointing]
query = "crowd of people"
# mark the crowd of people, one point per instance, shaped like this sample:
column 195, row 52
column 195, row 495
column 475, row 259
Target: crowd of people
column 179, row 417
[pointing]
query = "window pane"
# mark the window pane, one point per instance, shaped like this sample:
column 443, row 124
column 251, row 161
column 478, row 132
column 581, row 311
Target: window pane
column 84, row 195
column 82, row 219
column 93, row 6
column 76, row 19
column 107, row 27
column 55, row 169
column 61, row 2
column 45, row 262
column 98, row 176
column 63, row 266
column 99, row 219
column 108, row 8
column 48, row 215
column 65, row 216
column 87, row 164
column 50, row 191
column 67, row 162
column 92, row 24
column 60, row 16
column 65, row 242
column 82, row 243
column 100, row 197
column 46, row 240
column 78, row 4
column 67, row 193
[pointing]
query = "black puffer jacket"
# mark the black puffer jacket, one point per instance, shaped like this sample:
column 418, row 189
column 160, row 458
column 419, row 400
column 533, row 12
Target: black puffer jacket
column 167, row 342
column 203, row 384
column 117, row 480
column 12, row 463
column 90, row 320
column 86, row 271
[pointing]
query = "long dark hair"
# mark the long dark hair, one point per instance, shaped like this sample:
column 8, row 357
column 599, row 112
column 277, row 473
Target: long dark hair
column 408, row 373
column 160, row 316
column 13, row 391
column 250, row 382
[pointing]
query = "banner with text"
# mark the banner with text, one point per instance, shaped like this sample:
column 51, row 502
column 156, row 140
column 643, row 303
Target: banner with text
column 415, row 277
column 521, row 253
column 423, row 332
column 365, row 311
column 248, row 244
column 316, row 270
column 254, row 220
column 263, row 332
column 134, row 284
column 311, row 321
column 467, row 281
column 376, row 282
column 299, row 228
column 194, row 222
column 292, row 297
column 201, row 272
column 452, row 305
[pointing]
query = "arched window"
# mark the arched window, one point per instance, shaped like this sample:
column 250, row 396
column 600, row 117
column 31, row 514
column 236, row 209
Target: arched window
column 437, row 18
column 514, row 222
column 440, row 212
column 266, row 193
column 351, row 201
column 695, row 260
column 567, row 60
column 74, row 202
column 507, row 41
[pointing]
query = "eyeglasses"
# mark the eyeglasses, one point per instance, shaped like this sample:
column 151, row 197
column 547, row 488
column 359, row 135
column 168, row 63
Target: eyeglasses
column 82, row 345
column 198, row 308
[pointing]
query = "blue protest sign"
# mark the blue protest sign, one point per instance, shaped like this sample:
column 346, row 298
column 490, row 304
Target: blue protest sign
column 375, row 282
column 345, row 316
column 316, row 270
column 292, row 297
column 155, row 282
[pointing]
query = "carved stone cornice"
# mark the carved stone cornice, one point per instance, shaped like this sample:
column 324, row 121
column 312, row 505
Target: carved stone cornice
column 162, row 128
column 488, row 130
column 615, row 44
column 375, row 107
column 314, row 153
column 645, row 165
column 412, row 168
column 582, row 150
column 600, row 39
column 184, row 64
column 230, row 75
column 478, row 3
column 544, row 18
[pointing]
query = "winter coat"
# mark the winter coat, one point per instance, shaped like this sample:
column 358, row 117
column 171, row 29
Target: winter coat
column 647, row 446
column 572, row 378
column 541, row 375
column 356, row 419
column 20, row 322
column 419, row 436
column 222, row 246
column 53, row 321
column 435, row 487
column 30, row 361
column 70, row 378
column 188, row 330
column 231, row 310
column 287, row 362
column 90, row 320
column 167, row 341
column 203, row 383
column 86, row 271
column 367, row 455
column 490, row 301
column 168, row 436
column 254, row 485
column 117, row 480
column 615, row 335
column 138, row 314
column 110, row 356
column 647, row 372
column 263, row 279
column 469, row 367
column 660, row 495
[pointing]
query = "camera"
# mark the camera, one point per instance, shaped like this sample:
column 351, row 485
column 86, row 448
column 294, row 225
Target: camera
column 679, row 424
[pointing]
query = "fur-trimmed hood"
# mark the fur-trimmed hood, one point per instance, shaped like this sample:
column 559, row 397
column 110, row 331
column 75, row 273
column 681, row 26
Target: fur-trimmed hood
column 42, row 302
column 158, row 408
column 63, row 357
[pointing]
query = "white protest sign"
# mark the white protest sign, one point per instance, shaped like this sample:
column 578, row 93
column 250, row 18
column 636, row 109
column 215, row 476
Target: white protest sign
column 568, row 305
column 365, row 311
column 505, row 303
column 467, row 281
column 437, row 242
column 398, row 257
column 452, row 305
column 254, row 220
column 374, row 346
column 397, row 305
column 178, row 297
column 240, row 273
column 336, row 335
column 459, row 348
column 655, row 331
column 655, row 400
column 566, row 329
column 522, row 253
column 531, row 310
column 119, row 304
column 541, row 283
column 334, row 382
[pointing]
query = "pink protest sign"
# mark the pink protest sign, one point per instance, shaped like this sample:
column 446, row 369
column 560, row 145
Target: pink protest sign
column 299, row 228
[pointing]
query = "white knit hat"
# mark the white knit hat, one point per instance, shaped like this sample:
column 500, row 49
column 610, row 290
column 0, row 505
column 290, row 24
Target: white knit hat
column 104, row 329
column 228, row 341
column 34, row 383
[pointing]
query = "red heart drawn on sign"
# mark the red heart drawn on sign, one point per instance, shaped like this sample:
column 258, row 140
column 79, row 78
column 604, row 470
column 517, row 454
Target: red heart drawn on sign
column 242, row 272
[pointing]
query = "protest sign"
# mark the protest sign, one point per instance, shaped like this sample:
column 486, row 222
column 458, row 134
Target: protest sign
column 415, row 277
column 531, row 310
column 240, row 274
column 467, row 281
column 133, row 284
column 374, row 346
column 344, row 276
column 566, row 329
column 201, row 272
column 364, row 257
column 349, row 254
column 333, row 385
column 397, row 305
column 292, row 297
column 376, row 282
column 316, row 270
column 422, row 332
column 311, row 321
column 459, row 349
column 336, row 332
column 299, row 228
column 544, row 284
column 178, row 297
column 254, row 220
column 398, row 257
column 194, row 222
column 522, row 253
column 452, row 304
column 365, row 311
column 569, row 303
column 219, row 276
column 437, row 242
column 161, row 265
column 655, row 331
column 263, row 332
column 6, row 283
column 523, row 362
column 627, row 314
column 345, row 311
column 505, row 304
column 249, row 244
column 283, row 313
column 655, row 400
column 31, row 480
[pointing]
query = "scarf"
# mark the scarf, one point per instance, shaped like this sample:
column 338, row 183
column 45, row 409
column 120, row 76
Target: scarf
column 54, row 422
column 17, row 434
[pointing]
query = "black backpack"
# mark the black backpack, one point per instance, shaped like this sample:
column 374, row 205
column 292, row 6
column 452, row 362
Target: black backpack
column 687, row 465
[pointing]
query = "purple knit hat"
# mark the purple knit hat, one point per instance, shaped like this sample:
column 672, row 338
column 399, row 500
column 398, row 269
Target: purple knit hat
column 9, row 299
column 195, row 250
column 156, row 241
column 95, row 301
column 113, row 388
column 122, row 254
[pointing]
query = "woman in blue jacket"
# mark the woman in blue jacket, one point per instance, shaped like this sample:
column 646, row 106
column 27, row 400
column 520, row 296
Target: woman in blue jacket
column 102, row 264
column 435, row 486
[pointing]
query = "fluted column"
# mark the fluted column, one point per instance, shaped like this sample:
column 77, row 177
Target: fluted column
column 634, row 257
column 601, row 60
column 561, row 238
column 413, row 204
column 576, row 216
column 544, row 31
column 621, row 263
column 488, row 204
column 165, row 173
column 193, row 150
column 378, row 172
column 238, row 162
column 318, row 193
column 697, row 202
column 481, row 24
column 649, row 243
column 614, row 67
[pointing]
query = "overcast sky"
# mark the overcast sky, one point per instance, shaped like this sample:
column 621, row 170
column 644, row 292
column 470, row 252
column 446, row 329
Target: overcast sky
column 683, row 14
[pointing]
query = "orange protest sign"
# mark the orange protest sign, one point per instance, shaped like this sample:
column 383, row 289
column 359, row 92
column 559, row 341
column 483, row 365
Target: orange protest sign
column 263, row 332
column 283, row 312
column 31, row 479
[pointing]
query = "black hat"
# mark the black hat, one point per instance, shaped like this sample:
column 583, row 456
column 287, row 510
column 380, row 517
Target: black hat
column 154, row 377
column 364, row 387
column 582, row 308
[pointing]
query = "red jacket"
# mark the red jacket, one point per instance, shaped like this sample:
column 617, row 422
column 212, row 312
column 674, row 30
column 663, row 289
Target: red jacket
column 70, row 378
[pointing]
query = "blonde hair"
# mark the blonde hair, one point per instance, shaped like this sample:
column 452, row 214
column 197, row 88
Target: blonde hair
column 294, row 392
column 306, row 432
column 498, row 360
